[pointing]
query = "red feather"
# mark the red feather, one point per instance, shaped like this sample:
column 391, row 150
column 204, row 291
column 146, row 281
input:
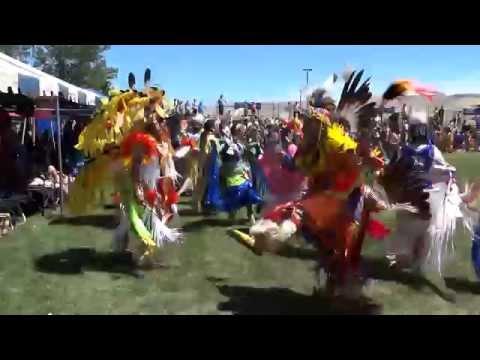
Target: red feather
column 345, row 180
column 151, row 197
column 138, row 138
column 377, row 230
column 166, row 187
column 172, row 198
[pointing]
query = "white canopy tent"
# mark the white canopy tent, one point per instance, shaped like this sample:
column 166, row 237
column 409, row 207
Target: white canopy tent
column 33, row 82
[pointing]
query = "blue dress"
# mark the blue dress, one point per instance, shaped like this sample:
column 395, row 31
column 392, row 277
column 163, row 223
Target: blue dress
column 233, row 191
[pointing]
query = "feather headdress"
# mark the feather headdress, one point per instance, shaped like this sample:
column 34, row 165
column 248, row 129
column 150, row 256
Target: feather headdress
column 354, row 106
column 119, row 115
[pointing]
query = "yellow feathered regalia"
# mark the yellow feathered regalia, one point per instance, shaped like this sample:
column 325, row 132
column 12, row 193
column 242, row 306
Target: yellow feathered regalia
column 128, row 141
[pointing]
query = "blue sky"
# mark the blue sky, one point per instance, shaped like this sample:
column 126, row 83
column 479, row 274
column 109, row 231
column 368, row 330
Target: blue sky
column 274, row 73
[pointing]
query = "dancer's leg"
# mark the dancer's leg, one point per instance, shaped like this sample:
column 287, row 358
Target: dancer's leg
column 121, row 236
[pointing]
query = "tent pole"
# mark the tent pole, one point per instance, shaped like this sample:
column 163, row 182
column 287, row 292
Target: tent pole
column 60, row 162
column 53, row 135
column 34, row 133
column 24, row 129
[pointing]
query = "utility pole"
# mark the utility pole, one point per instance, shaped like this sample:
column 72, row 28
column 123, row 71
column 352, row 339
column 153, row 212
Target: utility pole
column 307, row 71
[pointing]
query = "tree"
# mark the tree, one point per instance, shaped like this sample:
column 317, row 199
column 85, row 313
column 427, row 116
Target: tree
column 82, row 65
column 20, row 52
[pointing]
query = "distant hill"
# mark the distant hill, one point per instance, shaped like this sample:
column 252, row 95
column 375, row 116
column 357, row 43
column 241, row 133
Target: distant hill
column 455, row 102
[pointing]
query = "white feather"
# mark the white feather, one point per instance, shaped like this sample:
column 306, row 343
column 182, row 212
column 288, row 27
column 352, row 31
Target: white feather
column 160, row 232
column 182, row 152
column 287, row 230
column 349, row 113
column 150, row 172
column 382, row 196
column 329, row 83
column 272, row 231
column 187, row 184
column 169, row 170
column 445, row 207
column 265, row 227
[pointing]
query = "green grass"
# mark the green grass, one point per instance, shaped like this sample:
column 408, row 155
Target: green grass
column 212, row 274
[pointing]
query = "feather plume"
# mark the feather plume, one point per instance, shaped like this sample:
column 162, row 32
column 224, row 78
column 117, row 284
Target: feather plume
column 149, row 173
column 270, row 236
column 131, row 81
column 354, row 106
column 397, row 89
column 147, row 78
column 137, row 139
column 403, row 185
column 377, row 230
column 85, row 192
column 182, row 152
column 161, row 234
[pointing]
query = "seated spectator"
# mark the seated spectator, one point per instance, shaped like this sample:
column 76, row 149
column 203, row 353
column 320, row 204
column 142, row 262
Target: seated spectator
column 458, row 140
column 471, row 141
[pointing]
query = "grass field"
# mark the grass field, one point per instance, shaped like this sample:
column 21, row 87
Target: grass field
column 210, row 274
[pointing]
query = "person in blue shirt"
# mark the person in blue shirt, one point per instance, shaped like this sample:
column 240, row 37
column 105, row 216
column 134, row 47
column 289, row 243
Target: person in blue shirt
column 221, row 105
column 200, row 108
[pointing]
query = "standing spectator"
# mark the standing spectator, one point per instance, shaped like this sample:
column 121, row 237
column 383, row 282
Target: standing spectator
column 390, row 141
column 194, row 104
column 477, row 131
column 201, row 110
column 188, row 109
column 254, row 108
column 447, row 140
column 221, row 105
column 458, row 140
column 180, row 107
column 441, row 115
column 296, row 109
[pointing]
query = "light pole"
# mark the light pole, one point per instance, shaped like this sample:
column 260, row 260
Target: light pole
column 307, row 71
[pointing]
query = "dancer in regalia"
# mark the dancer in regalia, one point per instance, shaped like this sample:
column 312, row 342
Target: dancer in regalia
column 336, row 211
column 229, row 181
column 130, row 150
column 425, row 243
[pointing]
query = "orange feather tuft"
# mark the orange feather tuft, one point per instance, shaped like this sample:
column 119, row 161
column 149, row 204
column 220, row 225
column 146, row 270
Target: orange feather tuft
column 142, row 139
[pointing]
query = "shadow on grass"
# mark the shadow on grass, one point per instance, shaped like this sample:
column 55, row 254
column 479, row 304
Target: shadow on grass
column 102, row 221
column 200, row 224
column 463, row 285
column 75, row 261
column 379, row 269
column 280, row 301
column 188, row 213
